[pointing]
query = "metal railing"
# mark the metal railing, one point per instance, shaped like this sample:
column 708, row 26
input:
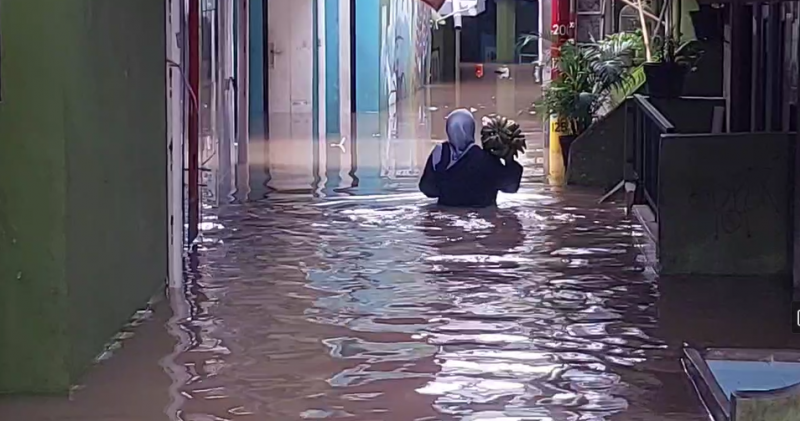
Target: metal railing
column 645, row 127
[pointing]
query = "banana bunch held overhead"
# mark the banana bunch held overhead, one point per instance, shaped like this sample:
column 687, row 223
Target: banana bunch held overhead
column 502, row 137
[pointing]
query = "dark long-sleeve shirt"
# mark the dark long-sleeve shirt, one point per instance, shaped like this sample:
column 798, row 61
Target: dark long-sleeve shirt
column 473, row 181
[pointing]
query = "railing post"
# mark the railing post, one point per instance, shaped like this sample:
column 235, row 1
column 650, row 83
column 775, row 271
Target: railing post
column 629, row 172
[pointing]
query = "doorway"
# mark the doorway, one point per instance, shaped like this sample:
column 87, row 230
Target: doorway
column 289, row 55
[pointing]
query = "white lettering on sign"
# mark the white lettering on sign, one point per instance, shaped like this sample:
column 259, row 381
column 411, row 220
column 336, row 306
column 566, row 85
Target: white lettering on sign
column 558, row 30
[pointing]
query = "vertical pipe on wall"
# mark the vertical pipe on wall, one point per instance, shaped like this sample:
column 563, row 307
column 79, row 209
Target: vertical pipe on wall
column 194, row 121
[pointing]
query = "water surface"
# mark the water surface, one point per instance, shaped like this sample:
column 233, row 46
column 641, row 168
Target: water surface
column 331, row 289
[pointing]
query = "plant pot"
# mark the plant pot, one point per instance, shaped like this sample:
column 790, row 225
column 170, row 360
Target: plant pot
column 566, row 142
column 664, row 80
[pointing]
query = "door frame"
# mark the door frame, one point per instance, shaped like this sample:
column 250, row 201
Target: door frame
column 265, row 59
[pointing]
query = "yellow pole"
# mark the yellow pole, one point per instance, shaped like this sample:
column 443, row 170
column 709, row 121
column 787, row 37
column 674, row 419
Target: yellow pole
column 557, row 171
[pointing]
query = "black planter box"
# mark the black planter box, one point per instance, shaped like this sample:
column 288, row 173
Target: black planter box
column 664, row 80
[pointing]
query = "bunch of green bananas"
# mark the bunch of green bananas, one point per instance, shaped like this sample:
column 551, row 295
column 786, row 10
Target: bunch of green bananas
column 502, row 137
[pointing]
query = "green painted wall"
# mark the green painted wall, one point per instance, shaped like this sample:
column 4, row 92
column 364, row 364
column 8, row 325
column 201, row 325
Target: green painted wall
column 82, row 181
column 506, row 30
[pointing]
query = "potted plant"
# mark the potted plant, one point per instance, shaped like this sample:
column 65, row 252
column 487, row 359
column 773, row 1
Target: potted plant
column 587, row 76
column 665, row 76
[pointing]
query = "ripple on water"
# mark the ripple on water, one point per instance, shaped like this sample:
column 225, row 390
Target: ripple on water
column 384, row 307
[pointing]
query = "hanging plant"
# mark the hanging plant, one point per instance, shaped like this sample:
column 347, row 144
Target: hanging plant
column 502, row 137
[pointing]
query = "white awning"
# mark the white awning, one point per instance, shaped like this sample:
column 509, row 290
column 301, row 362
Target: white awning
column 462, row 8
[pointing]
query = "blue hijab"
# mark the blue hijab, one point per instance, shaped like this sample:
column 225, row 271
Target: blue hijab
column 460, row 128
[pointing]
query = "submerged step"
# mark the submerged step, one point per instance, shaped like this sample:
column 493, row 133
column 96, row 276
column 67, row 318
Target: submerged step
column 746, row 384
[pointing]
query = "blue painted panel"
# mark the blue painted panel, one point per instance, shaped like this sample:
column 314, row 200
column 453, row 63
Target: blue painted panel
column 257, row 89
column 332, row 88
column 367, row 51
column 753, row 375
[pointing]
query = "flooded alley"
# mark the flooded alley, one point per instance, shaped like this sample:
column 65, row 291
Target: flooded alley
column 332, row 289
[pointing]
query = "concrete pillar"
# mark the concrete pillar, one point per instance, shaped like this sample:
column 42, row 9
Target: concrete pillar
column 506, row 30
column 83, row 181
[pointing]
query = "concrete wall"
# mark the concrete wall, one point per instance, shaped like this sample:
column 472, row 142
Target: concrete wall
column 689, row 115
column 723, row 204
column 83, row 235
column 597, row 157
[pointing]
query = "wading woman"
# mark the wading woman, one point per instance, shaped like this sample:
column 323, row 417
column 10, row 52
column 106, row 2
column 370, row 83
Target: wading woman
column 460, row 173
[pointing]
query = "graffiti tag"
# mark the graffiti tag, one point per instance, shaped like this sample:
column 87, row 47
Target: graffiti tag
column 737, row 202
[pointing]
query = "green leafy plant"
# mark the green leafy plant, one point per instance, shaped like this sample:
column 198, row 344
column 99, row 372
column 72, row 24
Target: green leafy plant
column 587, row 76
column 502, row 137
column 671, row 50
column 630, row 45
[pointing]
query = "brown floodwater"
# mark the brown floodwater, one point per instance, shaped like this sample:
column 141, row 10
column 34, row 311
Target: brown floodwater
column 385, row 307
column 330, row 288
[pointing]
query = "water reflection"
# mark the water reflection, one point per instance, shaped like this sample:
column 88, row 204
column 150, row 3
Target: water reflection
column 381, row 305
column 330, row 288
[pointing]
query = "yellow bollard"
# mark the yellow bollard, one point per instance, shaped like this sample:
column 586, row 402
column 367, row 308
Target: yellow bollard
column 557, row 170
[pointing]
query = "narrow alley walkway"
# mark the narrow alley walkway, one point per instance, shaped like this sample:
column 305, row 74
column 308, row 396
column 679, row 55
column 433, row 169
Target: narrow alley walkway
column 317, row 297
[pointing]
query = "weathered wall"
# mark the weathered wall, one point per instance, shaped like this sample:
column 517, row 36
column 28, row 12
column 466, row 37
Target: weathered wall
column 405, row 49
column 724, row 216
column 116, row 179
column 83, row 178
column 597, row 157
column 32, row 197
column 443, row 61
column 689, row 115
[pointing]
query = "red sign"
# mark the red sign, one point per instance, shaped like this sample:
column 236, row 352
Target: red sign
column 562, row 29
column 434, row 4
